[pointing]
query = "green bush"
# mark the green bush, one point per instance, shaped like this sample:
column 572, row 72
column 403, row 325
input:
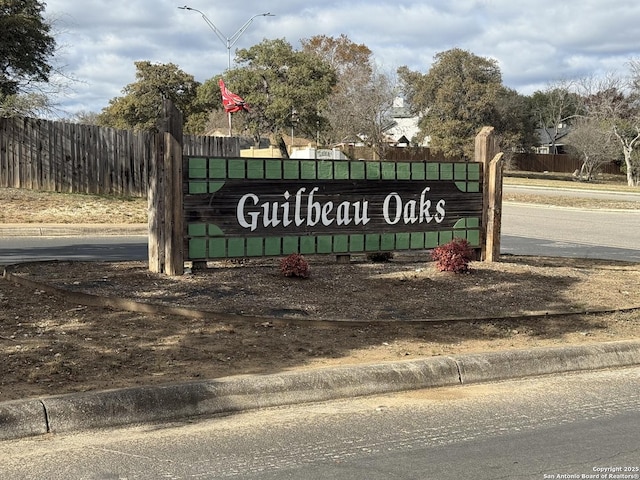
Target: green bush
column 380, row 257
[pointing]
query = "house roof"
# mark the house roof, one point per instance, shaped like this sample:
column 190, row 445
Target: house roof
column 545, row 135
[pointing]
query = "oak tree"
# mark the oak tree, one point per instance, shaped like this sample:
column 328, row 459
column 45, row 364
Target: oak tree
column 139, row 106
column 283, row 88
column 456, row 98
column 26, row 50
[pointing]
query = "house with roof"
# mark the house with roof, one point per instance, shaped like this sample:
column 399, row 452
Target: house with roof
column 403, row 127
column 550, row 140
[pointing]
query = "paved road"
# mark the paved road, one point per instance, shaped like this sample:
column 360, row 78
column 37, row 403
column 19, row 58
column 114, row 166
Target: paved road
column 572, row 192
column 77, row 248
column 560, row 425
column 553, row 231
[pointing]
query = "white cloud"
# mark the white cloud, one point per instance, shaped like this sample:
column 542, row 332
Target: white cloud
column 534, row 42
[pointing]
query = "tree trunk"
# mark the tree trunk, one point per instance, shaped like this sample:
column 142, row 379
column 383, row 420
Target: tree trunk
column 282, row 145
column 627, row 149
column 627, row 160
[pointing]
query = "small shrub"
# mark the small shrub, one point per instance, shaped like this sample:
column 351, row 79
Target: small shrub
column 453, row 256
column 380, row 257
column 294, row 265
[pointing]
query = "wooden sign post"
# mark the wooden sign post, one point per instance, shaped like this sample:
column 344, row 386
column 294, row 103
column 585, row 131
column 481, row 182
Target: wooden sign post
column 166, row 253
column 204, row 208
column 487, row 153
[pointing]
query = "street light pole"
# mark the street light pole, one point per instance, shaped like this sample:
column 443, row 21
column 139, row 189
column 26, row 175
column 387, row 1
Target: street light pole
column 228, row 42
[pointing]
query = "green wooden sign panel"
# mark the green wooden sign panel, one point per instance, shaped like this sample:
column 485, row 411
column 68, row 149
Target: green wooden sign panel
column 249, row 207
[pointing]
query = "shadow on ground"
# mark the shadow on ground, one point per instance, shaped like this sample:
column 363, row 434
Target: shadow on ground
column 51, row 346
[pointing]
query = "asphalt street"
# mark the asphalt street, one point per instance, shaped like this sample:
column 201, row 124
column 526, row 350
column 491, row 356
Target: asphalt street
column 76, row 248
column 561, row 426
column 562, row 232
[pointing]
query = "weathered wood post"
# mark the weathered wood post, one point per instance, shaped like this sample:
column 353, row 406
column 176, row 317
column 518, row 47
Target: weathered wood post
column 487, row 153
column 166, row 249
column 494, row 209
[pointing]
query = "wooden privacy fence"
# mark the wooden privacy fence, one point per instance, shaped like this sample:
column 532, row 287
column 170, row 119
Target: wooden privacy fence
column 398, row 154
column 557, row 163
column 67, row 157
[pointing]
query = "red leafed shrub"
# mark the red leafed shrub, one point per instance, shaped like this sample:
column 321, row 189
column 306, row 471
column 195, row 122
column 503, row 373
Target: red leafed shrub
column 294, row 265
column 453, row 256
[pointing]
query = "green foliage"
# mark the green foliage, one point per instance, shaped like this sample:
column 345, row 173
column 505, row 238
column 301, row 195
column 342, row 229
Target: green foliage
column 294, row 265
column 139, row 107
column 453, row 256
column 23, row 105
column 275, row 80
column 26, row 49
column 380, row 257
column 457, row 97
column 207, row 101
column 26, row 46
column 514, row 123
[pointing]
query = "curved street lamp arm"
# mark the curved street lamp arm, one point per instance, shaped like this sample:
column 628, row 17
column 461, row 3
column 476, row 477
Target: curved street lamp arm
column 218, row 33
column 234, row 38
column 230, row 41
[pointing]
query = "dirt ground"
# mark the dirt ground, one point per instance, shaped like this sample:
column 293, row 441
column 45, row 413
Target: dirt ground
column 52, row 344
column 246, row 318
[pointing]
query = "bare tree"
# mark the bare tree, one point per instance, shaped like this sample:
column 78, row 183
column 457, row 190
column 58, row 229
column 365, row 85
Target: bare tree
column 594, row 142
column 615, row 102
column 361, row 102
column 363, row 110
column 557, row 105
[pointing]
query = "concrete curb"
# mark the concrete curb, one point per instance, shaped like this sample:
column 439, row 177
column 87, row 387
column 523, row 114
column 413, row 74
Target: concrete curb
column 91, row 410
column 22, row 418
column 496, row 366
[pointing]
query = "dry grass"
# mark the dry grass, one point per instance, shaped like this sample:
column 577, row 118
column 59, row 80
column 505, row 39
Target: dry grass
column 28, row 206
column 571, row 202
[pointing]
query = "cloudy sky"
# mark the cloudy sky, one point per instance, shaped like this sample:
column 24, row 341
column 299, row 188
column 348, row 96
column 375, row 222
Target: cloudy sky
column 534, row 41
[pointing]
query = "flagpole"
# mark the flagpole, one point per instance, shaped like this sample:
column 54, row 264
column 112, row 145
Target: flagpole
column 231, row 102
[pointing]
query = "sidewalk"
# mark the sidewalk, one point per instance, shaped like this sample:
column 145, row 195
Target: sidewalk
column 112, row 408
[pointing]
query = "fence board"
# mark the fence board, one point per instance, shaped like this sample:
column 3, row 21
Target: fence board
column 3, row 156
column 558, row 163
column 67, row 157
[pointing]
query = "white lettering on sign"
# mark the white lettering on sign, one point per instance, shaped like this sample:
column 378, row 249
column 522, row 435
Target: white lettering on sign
column 412, row 211
column 252, row 214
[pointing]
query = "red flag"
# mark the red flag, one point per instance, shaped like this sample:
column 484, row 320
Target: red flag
column 232, row 103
